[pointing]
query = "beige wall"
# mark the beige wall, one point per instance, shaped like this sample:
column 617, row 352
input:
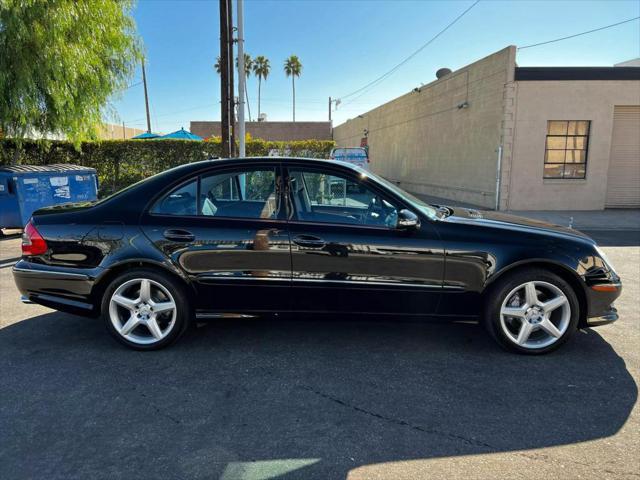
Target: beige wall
column 284, row 131
column 428, row 145
column 539, row 101
column 110, row 131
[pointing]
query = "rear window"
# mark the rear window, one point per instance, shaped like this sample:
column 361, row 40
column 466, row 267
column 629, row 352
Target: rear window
column 181, row 201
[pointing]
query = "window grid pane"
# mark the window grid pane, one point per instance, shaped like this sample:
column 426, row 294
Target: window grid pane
column 566, row 147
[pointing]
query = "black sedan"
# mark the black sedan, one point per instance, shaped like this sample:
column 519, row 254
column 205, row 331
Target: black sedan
column 248, row 237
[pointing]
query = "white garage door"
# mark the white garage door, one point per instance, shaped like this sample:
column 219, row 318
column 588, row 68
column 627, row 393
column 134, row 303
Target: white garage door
column 623, row 182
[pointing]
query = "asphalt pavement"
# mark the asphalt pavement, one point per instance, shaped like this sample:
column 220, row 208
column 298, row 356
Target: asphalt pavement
column 317, row 398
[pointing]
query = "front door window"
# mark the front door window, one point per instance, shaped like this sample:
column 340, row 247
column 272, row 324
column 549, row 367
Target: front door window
column 323, row 197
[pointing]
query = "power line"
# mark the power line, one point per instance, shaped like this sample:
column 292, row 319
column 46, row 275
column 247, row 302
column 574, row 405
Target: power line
column 579, row 34
column 166, row 114
column 387, row 74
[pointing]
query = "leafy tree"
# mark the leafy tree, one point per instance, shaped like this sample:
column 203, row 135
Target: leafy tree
column 261, row 69
column 61, row 61
column 248, row 67
column 293, row 69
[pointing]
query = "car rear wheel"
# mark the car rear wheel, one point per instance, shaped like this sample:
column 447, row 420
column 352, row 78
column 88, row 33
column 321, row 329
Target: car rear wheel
column 145, row 309
column 532, row 311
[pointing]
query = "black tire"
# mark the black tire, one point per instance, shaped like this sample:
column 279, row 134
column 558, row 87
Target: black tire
column 504, row 286
column 173, row 286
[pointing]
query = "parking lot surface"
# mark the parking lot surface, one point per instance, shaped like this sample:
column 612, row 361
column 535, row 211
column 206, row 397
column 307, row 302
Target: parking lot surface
column 317, row 398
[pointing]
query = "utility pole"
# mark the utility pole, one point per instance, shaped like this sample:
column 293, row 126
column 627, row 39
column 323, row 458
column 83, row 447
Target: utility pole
column 146, row 97
column 232, row 88
column 241, row 79
column 124, row 132
column 336, row 102
column 224, row 79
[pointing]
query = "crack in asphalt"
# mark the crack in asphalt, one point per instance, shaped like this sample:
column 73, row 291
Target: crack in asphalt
column 403, row 423
column 456, row 437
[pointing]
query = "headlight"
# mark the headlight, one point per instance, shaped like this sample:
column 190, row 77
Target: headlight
column 606, row 260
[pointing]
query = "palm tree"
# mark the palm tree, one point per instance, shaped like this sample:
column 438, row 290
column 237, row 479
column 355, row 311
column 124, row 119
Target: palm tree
column 217, row 65
column 248, row 67
column 261, row 69
column 293, row 69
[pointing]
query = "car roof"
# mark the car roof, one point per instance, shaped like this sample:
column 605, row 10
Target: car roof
column 195, row 166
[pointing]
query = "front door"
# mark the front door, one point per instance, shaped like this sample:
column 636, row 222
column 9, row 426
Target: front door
column 226, row 231
column 348, row 255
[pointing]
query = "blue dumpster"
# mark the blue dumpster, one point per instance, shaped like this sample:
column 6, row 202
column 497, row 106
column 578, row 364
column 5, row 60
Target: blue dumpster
column 26, row 188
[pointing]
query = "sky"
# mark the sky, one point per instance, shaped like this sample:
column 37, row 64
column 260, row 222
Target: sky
column 344, row 45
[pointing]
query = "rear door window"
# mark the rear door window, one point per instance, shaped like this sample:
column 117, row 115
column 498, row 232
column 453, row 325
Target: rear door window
column 240, row 194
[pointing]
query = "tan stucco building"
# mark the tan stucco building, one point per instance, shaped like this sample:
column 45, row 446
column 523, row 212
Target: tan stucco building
column 526, row 138
column 110, row 131
column 276, row 131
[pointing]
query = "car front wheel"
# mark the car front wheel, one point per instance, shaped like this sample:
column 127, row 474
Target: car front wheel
column 145, row 310
column 532, row 311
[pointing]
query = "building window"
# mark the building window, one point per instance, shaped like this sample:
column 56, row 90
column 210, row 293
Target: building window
column 565, row 153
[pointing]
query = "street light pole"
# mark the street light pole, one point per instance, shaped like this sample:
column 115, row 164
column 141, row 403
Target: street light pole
column 337, row 102
column 241, row 79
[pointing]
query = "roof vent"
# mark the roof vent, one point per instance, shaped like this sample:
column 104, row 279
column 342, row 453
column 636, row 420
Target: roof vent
column 442, row 72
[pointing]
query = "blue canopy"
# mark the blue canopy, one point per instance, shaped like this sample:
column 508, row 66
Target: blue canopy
column 182, row 134
column 145, row 135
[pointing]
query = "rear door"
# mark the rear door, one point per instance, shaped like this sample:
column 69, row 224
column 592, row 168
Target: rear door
column 226, row 229
column 347, row 254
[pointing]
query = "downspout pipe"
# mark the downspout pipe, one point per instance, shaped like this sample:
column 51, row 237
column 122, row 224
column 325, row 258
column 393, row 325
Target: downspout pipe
column 498, row 177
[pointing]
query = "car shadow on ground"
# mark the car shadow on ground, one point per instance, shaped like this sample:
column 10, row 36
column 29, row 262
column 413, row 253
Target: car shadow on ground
column 302, row 399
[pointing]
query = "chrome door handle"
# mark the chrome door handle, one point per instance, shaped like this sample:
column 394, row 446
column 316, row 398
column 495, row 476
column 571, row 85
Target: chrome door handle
column 309, row 241
column 176, row 235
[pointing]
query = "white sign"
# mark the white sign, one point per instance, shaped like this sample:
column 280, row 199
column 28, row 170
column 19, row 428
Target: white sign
column 59, row 181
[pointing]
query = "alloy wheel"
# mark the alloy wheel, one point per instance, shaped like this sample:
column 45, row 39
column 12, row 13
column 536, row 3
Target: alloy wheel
column 535, row 315
column 142, row 311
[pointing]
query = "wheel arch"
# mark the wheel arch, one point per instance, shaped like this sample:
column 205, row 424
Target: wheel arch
column 563, row 271
column 103, row 281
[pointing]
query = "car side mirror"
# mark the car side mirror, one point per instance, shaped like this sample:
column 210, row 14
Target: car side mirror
column 407, row 220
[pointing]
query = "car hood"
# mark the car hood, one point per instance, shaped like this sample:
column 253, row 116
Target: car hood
column 510, row 222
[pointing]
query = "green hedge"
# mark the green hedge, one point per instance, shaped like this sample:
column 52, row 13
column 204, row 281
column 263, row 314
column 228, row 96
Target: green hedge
column 122, row 162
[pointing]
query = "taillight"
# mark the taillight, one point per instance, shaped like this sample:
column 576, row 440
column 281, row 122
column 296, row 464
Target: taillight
column 32, row 241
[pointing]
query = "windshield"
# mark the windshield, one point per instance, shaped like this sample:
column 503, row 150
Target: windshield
column 415, row 202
